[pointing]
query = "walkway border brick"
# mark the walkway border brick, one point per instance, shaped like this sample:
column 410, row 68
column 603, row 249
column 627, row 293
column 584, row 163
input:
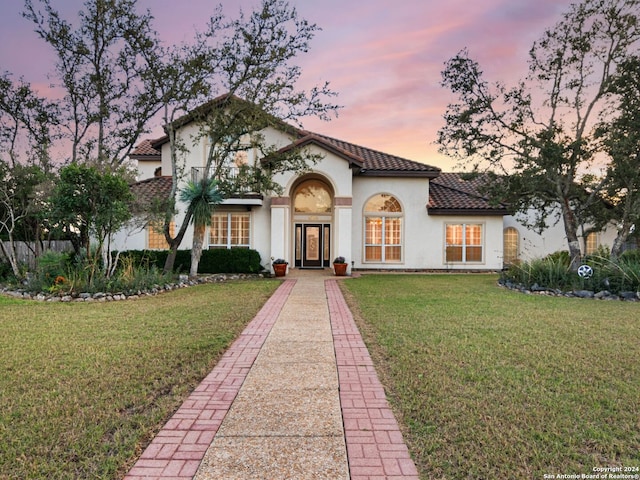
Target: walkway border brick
column 178, row 449
column 375, row 447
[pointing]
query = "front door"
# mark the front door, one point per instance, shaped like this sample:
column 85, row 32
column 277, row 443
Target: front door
column 312, row 245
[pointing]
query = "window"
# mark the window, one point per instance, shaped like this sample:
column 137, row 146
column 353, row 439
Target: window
column 312, row 196
column 155, row 235
column 229, row 230
column 383, row 229
column 511, row 245
column 232, row 155
column 591, row 244
column 463, row 243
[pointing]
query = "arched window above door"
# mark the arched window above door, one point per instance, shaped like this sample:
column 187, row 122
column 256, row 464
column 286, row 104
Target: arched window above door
column 312, row 196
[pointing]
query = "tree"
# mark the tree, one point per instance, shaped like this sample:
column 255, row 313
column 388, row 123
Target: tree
column 18, row 208
column 201, row 197
column 26, row 123
column 87, row 202
column 544, row 147
column 248, row 63
column 621, row 141
column 104, row 67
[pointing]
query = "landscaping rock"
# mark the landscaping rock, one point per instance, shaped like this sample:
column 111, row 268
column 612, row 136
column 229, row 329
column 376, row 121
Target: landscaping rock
column 602, row 295
column 631, row 296
column 183, row 282
column 583, row 293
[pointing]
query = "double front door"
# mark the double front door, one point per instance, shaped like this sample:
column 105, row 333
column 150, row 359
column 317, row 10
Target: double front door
column 313, row 242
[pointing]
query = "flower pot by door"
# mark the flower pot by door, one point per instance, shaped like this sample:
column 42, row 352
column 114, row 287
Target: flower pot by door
column 280, row 269
column 340, row 269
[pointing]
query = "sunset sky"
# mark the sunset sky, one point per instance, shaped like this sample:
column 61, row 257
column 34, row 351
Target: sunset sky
column 383, row 57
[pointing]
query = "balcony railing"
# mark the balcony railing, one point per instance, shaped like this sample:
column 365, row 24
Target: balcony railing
column 230, row 180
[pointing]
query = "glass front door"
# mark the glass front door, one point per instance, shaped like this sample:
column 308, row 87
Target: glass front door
column 312, row 245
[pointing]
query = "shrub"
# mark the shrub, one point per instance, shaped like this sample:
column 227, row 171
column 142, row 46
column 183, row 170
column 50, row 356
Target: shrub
column 235, row 260
column 553, row 272
column 632, row 256
column 157, row 259
column 561, row 257
column 51, row 267
column 62, row 273
column 6, row 272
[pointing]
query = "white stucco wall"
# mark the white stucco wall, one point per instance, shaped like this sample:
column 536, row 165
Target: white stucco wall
column 147, row 168
column 413, row 195
column 533, row 245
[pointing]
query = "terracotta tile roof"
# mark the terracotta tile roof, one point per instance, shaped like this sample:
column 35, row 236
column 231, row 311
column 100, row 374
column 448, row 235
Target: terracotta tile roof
column 366, row 160
column 376, row 162
column 152, row 191
column 145, row 151
column 451, row 193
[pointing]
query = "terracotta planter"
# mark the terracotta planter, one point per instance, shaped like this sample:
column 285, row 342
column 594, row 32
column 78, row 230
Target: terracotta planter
column 280, row 269
column 340, row 269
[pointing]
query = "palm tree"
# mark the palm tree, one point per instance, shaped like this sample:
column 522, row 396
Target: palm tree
column 201, row 197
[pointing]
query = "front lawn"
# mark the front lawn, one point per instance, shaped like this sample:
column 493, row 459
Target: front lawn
column 84, row 386
column 494, row 384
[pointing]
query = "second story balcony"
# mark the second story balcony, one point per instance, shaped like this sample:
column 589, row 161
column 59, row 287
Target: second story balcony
column 237, row 184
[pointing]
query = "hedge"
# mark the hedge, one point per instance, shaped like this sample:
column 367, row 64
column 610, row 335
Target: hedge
column 235, row 260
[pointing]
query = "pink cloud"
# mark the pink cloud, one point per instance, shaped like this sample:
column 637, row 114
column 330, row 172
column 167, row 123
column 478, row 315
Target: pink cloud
column 384, row 57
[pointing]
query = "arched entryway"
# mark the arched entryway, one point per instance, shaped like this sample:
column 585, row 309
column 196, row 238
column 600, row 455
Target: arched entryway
column 312, row 222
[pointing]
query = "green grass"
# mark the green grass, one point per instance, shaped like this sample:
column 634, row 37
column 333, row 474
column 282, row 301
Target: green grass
column 491, row 383
column 85, row 386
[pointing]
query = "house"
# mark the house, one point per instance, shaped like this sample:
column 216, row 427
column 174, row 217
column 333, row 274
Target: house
column 379, row 211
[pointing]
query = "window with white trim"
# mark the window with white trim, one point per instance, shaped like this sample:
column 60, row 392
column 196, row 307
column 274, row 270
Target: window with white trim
column 464, row 243
column 230, row 230
column 511, row 245
column 383, row 229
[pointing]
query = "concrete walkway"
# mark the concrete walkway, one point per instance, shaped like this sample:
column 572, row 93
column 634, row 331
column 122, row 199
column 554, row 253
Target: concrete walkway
column 295, row 397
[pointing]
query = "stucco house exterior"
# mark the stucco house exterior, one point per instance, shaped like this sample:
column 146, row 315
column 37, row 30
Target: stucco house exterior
column 379, row 211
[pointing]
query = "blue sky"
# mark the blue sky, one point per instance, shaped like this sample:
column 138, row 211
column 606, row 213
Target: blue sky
column 383, row 57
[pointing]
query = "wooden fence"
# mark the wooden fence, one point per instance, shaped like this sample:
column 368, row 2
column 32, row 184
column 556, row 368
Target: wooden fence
column 25, row 250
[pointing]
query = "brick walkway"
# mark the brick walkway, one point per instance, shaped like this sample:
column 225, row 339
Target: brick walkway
column 375, row 448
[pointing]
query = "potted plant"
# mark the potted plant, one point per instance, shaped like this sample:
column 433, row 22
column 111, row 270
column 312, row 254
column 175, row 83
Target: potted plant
column 280, row 267
column 340, row 266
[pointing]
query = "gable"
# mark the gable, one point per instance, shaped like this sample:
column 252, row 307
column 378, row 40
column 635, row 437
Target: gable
column 365, row 161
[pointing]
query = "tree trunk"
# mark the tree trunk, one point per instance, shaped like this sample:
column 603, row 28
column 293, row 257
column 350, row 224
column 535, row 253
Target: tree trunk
column 196, row 249
column 174, row 243
column 620, row 240
column 10, row 253
column 571, row 230
column 171, row 258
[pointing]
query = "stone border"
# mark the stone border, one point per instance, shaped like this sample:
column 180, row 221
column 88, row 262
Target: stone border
column 535, row 289
column 183, row 282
